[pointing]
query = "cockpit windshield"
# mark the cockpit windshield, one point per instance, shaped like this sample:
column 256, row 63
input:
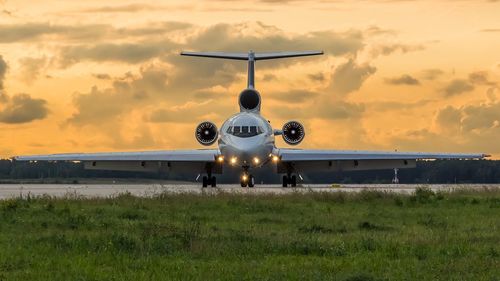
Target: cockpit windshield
column 244, row 131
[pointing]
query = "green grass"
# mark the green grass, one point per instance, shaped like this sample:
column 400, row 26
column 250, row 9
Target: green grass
column 313, row 236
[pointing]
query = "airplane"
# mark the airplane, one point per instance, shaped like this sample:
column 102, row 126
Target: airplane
column 247, row 141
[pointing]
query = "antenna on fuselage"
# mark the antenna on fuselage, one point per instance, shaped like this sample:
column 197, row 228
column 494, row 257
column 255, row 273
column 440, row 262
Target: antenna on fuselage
column 251, row 57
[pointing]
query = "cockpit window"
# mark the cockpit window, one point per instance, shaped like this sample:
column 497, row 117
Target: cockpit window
column 244, row 131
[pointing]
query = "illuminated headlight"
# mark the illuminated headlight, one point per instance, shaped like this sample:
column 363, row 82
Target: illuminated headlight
column 275, row 158
column 220, row 158
column 256, row 160
column 233, row 160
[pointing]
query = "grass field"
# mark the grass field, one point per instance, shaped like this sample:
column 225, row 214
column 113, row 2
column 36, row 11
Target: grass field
column 316, row 236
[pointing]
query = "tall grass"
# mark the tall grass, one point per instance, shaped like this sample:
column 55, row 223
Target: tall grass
column 224, row 236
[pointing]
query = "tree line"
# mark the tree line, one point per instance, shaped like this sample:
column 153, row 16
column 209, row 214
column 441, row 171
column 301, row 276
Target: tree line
column 439, row 171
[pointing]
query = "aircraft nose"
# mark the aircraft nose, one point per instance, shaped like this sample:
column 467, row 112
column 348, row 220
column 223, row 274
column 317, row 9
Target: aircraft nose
column 246, row 151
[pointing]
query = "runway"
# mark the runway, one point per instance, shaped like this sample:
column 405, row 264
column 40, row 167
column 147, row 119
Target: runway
column 147, row 190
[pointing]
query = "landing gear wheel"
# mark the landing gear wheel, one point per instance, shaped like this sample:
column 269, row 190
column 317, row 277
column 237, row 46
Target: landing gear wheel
column 251, row 181
column 213, row 182
column 204, row 182
column 285, row 181
column 243, row 184
column 293, row 181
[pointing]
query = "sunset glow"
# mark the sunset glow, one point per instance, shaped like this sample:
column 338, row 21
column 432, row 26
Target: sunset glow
column 89, row 76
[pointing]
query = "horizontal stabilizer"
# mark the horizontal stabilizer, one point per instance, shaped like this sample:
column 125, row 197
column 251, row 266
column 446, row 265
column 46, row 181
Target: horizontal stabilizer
column 247, row 56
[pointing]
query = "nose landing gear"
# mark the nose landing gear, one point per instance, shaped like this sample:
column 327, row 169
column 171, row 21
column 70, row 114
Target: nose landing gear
column 247, row 180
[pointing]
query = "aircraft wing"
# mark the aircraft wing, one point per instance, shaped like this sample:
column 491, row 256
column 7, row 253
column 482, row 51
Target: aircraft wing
column 148, row 161
column 351, row 160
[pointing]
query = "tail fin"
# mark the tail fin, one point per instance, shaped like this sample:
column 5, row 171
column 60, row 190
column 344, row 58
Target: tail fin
column 251, row 57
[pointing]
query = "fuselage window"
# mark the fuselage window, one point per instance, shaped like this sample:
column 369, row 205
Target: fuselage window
column 229, row 129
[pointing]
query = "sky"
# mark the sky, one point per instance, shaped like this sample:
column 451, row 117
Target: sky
column 90, row 76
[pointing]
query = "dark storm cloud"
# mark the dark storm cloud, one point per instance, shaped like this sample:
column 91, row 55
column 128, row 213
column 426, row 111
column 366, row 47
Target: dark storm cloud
column 457, row 86
column 404, row 79
column 349, row 77
column 22, row 108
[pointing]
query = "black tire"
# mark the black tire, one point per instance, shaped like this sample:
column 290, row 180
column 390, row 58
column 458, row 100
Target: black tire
column 243, row 184
column 204, row 182
column 251, row 181
column 285, row 181
column 293, row 181
column 213, row 182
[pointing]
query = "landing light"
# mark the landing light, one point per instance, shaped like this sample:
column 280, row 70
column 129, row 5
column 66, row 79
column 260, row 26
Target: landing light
column 256, row 160
column 244, row 177
column 233, row 160
column 220, row 158
column 275, row 158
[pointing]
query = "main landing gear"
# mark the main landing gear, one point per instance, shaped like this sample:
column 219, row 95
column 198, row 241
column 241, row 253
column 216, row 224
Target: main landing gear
column 209, row 181
column 289, row 180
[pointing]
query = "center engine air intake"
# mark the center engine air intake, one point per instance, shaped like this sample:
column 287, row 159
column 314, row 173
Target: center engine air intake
column 250, row 99
column 206, row 133
column 293, row 132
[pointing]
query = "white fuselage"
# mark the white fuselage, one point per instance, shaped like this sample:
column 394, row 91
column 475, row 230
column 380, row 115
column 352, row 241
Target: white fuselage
column 246, row 140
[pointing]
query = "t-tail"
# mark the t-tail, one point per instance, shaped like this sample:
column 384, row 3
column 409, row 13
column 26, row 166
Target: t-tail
column 249, row 99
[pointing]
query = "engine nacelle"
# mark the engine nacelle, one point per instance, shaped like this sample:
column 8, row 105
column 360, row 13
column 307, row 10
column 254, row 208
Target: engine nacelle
column 293, row 132
column 206, row 133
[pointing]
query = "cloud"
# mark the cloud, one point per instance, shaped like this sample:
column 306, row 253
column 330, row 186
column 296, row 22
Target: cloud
column 12, row 33
column 126, row 52
column 317, row 77
column 432, row 74
column 102, row 76
column 220, row 37
column 123, row 8
column 3, row 70
column 22, row 108
column 37, row 31
column 481, row 78
column 387, row 49
column 349, row 77
column 457, row 86
column 31, row 68
column 102, row 105
column 471, row 119
column 490, row 30
column 404, row 79
column 177, row 114
column 293, row 96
